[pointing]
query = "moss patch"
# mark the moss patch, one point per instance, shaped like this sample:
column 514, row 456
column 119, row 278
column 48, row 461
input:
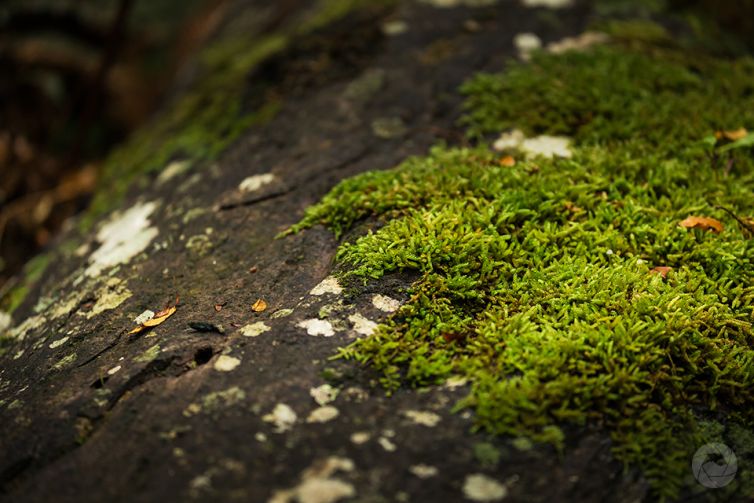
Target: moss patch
column 536, row 280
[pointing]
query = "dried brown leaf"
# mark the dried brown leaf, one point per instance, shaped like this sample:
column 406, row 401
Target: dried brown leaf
column 705, row 223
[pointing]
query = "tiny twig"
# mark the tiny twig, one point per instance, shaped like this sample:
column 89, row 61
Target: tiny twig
column 747, row 226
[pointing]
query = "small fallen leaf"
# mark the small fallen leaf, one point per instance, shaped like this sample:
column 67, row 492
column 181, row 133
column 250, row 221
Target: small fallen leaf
column 508, row 161
column 661, row 270
column 259, row 306
column 253, row 269
column 157, row 319
column 219, row 307
column 733, row 135
column 705, row 223
column 572, row 208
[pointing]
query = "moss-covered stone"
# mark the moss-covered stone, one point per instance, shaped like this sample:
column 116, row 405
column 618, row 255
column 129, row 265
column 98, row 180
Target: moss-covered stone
column 537, row 281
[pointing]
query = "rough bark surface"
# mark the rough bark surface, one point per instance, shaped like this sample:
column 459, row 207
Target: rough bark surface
column 167, row 425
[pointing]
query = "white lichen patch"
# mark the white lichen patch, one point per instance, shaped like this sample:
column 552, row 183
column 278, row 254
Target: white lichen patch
column 328, row 285
column 29, row 324
column 149, row 355
column 526, row 43
column 387, row 444
column 65, row 361
column 315, row 326
column 423, row 471
column 544, row 145
column 550, row 4
column 448, row 4
column 122, row 237
column 394, row 28
column 323, row 414
column 579, row 43
column 5, row 321
column 172, row 170
column 225, row 363
column 479, row 487
column 256, row 182
column 318, row 484
column 144, row 317
column 254, row 329
column 215, row 401
column 324, row 394
column 423, row 418
column 454, row 382
column 282, row 417
column 360, row 437
column 362, row 325
column 385, row 304
column 114, row 370
column 57, row 343
column 281, row 313
column 111, row 295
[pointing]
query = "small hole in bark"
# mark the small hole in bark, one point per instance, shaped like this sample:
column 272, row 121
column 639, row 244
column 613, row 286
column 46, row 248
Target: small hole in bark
column 100, row 382
column 203, row 355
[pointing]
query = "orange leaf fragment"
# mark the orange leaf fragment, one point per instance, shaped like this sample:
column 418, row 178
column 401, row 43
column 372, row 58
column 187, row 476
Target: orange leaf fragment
column 733, row 135
column 160, row 317
column 218, row 307
column 662, row 270
column 705, row 223
column 259, row 306
column 508, row 161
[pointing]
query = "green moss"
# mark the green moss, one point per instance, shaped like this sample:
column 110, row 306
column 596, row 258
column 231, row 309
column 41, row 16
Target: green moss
column 536, row 281
column 33, row 270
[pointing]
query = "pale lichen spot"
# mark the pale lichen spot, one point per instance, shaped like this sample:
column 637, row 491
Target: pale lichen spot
column 5, row 321
column 109, row 296
column 148, row 355
column 387, row 444
column 316, row 327
column 281, row 313
column 225, row 363
column 423, row 418
column 283, row 417
column 172, row 170
column 114, row 370
column 57, row 343
column 324, row 394
column 318, row 484
column 362, row 325
column 544, row 145
column 201, row 244
column 454, row 382
column 122, row 237
column 65, row 361
column 254, row 329
column 526, row 43
column 389, row 127
column 323, row 414
column 423, row 471
column 328, row 285
column 144, row 317
column 256, row 182
column 215, row 401
column 550, row 4
column 394, row 28
column 360, row 437
column 579, row 43
column 385, row 304
column 479, row 487
column 448, row 4
column 29, row 324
